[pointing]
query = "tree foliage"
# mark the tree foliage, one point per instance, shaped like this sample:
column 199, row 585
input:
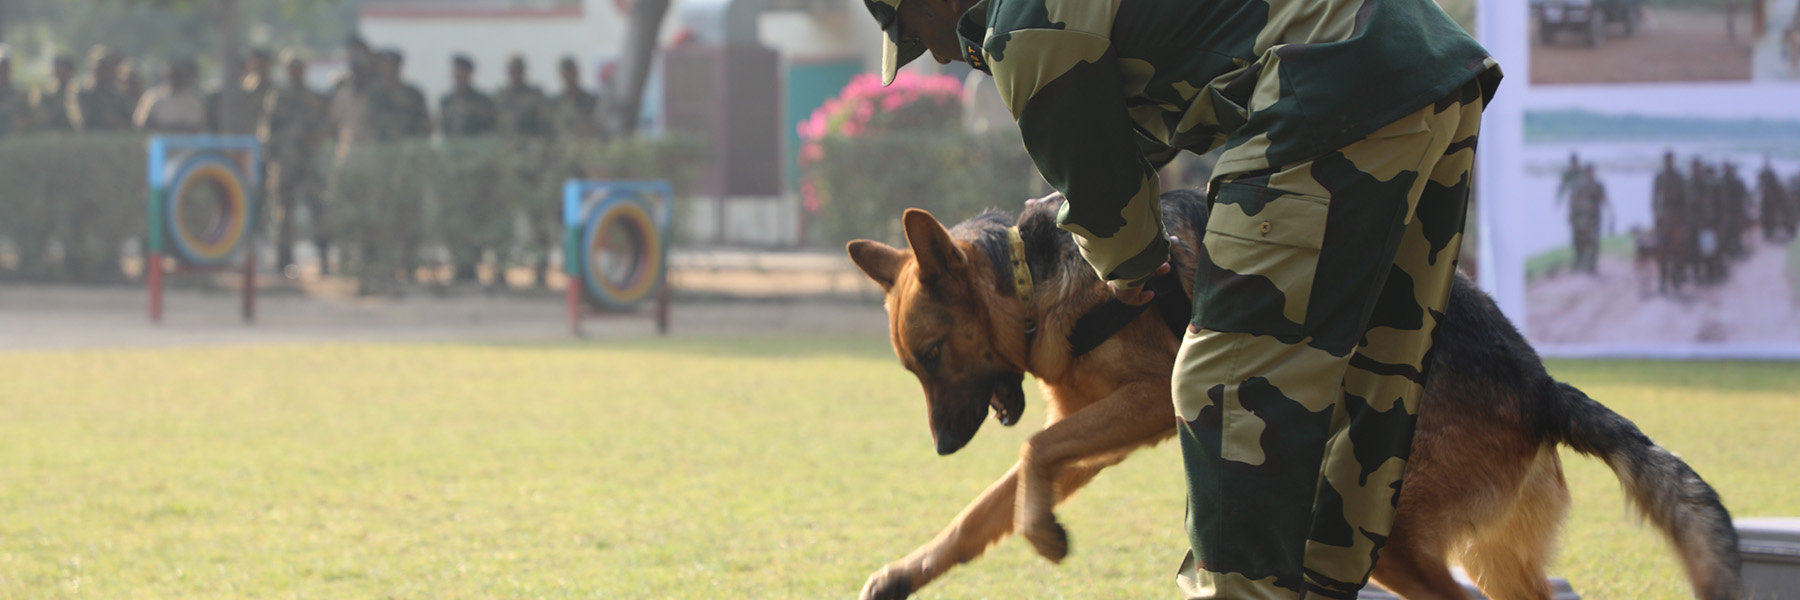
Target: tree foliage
column 155, row 30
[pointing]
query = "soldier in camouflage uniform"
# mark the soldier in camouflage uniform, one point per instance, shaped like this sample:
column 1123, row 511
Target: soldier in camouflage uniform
column 524, row 109
column 1703, row 221
column 1668, row 208
column 15, row 109
column 101, row 105
column 525, row 120
column 1587, row 200
column 1777, row 217
column 1571, row 178
column 131, row 81
column 397, row 110
column 1734, row 209
column 294, row 126
column 53, row 106
column 176, row 106
column 347, row 102
column 250, row 87
column 1348, row 131
column 573, row 113
column 465, row 111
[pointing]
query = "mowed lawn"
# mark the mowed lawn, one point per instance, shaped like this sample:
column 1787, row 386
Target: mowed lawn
column 784, row 468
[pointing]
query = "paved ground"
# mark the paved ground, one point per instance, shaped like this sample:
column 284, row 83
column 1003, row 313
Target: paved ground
column 1755, row 304
column 718, row 293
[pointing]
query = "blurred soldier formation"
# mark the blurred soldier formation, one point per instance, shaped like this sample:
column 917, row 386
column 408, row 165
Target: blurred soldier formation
column 304, row 131
column 1700, row 218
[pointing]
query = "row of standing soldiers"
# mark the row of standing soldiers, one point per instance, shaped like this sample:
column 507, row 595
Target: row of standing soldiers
column 374, row 104
column 1700, row 219
column 104, row 101
column 371, row 103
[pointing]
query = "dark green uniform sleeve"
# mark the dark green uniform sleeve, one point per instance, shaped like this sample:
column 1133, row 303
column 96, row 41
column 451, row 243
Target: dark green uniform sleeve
column 1064, row 88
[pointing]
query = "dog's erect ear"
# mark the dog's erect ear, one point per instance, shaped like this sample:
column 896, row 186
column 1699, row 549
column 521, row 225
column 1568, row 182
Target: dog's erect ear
column 938, row 255
column 879, row 261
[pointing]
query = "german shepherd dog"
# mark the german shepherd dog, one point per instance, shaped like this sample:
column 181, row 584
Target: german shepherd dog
column 1484, row 484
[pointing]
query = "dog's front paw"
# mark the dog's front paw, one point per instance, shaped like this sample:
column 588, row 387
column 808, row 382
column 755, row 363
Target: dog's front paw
column 1049, row 539
column 888, row 584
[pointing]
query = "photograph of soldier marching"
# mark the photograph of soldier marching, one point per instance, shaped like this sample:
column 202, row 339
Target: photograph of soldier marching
column 1686, row 234
column 1777, row 31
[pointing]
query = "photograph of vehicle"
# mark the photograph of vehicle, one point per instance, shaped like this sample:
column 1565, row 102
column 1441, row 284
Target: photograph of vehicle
column 1642, row 41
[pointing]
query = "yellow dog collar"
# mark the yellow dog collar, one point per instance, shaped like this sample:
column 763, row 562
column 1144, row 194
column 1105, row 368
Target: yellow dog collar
column 1022, row 285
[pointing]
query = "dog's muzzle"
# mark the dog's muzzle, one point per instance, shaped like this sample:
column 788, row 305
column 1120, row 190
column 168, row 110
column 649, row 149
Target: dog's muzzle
column 957, row 413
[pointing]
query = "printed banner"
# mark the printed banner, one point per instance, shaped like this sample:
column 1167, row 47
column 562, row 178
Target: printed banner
column 1640, row 178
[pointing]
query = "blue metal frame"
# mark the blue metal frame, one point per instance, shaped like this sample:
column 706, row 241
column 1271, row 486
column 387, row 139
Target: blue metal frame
column 161, row 147
column 584, row 199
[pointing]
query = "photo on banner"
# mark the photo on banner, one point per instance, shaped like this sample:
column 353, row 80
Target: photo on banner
column 1644, row 41
column 1642, row 187
column 1656, row 229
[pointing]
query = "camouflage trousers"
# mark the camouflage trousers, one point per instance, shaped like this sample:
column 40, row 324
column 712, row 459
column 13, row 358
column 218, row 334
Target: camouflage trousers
column 1298, row 381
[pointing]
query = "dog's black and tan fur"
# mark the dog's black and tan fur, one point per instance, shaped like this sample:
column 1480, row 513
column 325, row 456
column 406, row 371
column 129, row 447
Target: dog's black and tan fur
column 1484, row 485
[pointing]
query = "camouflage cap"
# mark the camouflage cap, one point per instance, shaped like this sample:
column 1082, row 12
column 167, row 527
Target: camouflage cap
column 895, row 53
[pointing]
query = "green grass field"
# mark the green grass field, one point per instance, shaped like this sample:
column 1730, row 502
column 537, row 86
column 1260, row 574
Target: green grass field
column 782, row 468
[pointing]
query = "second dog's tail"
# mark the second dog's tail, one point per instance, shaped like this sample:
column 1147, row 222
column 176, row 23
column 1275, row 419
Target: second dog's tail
column 1668, row 492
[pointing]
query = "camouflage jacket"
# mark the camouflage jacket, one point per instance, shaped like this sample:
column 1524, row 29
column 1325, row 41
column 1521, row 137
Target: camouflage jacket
column 1668, row 203
column 51, row 108
column 466, row 113
column 294, row 124
column 524, row 111
column 253, row 98
column 103, row 109
column 573, row 114
column 15, row 113
column 1105, row 91
column 397, row 112
column 1702, row 200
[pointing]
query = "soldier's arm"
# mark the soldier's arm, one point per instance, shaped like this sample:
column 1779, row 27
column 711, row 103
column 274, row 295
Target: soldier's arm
column 141, row 117
column 423, row 124
column 1063, row 88
column 76, row 114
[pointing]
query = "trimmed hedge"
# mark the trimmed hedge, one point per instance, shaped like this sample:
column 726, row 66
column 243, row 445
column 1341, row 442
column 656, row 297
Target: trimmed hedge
column 68, row 204
column 85, row 195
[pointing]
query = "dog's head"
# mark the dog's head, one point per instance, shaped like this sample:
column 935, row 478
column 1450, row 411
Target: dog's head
column 941, row 315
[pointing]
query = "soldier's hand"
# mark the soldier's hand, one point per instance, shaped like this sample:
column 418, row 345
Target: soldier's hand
column 1136, row 295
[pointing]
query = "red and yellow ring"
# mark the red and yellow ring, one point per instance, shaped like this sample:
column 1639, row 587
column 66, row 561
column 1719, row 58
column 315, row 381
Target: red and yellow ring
column 646, row 254
column 226, row 230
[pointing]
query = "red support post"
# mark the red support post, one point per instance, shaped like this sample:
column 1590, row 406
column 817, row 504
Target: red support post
column 662, row 308
column 572, row 302
column 249, row 292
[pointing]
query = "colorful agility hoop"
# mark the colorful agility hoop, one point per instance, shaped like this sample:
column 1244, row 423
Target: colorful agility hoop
column 203, row 200
column 615, row 250
column 207, row 182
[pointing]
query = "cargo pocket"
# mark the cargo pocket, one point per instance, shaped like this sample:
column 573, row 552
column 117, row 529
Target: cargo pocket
column 1261, row 252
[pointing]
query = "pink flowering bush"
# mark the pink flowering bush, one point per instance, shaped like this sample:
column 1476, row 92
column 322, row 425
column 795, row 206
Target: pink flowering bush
column 913, row 103
column 873, row 151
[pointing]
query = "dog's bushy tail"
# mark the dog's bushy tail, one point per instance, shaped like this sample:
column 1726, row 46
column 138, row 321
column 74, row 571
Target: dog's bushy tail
column 1663, row 488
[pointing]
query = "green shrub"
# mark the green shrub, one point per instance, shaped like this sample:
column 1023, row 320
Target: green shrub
column 87, row 196
column 83, row 194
